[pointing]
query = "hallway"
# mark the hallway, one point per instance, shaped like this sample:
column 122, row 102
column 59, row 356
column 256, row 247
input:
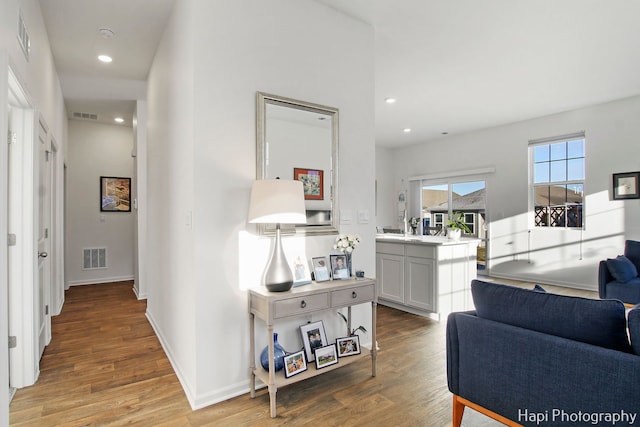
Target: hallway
column 104, row 365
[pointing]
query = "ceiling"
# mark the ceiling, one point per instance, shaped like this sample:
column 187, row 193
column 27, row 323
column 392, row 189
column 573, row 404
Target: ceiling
column 452, row 66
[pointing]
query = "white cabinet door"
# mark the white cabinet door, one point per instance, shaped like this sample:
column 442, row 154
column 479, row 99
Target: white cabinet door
column 420, row 280
column 390, row 276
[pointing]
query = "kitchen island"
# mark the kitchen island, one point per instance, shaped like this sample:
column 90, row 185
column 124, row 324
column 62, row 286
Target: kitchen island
column 425, row 275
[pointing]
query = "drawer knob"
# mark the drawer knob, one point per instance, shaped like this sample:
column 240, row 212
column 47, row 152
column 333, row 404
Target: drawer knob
column 303, row 304
column 354, row 294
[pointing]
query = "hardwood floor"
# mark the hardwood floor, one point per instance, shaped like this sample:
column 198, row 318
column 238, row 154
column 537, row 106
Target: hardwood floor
column 105, row 367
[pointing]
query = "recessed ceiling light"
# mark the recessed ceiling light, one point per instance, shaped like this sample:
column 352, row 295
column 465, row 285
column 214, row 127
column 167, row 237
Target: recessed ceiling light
column 106, row 33
column 119, row 119
column 389, row 100
column 406, row 130
column 105, row 58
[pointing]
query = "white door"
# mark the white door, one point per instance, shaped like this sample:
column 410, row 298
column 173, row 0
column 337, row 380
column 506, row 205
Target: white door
column 44, row 220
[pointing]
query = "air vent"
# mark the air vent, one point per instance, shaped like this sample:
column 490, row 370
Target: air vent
column 23, row 37
column 94, row 258
column 85, row 116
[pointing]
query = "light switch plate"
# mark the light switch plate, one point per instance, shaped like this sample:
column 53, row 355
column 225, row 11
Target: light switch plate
column 346, row 216
column 363, row 216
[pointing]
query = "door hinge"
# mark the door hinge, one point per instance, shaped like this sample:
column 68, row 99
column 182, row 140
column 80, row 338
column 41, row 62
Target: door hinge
column 13, row 341
column 12, row 137
column 47, row 153
column 46, row 310
column 12, row 240
column 46, row 233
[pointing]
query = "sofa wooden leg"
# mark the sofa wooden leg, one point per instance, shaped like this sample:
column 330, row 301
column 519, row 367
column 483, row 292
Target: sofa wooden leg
column 458, row 411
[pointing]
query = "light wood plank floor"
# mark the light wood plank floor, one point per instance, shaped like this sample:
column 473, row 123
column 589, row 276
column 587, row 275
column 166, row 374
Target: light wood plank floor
column 105, row 367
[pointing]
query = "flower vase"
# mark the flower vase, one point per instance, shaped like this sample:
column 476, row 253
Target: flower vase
column 278, row 355
column 348, row 256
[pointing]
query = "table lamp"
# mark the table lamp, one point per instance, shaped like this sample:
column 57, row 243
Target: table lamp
column 277, row 201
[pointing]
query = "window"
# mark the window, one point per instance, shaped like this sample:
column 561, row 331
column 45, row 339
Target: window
column 438, row 220
column 469, row 220
column 558, row 181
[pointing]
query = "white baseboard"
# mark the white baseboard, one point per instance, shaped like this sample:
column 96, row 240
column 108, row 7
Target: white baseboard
column 525, row 278
column 196, row 401
column 99, row 281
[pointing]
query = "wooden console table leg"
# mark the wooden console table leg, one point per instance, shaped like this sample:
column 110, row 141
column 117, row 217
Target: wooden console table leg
column 273, row 389
column 252, row 354
column 374, row 342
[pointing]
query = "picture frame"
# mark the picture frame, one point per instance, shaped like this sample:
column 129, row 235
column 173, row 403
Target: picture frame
column 300, row 270
column 339, row 267
column 115, row 194
column 321, row 270
column 348, row 346
column 312, row 182
column 626, row 185
column 326, row 356
column 313, row 336
column 294, row 364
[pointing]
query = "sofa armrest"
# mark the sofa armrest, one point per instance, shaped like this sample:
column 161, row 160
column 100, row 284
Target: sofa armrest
column 604, row 277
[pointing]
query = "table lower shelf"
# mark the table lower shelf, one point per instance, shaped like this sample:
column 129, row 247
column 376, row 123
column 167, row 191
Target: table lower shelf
column 311, row 371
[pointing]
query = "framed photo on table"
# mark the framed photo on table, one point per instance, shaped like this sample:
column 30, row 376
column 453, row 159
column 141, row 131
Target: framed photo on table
column 320, row 269
column 312, row 182
column 626, row 185
column 313, row 336
column 339, row 267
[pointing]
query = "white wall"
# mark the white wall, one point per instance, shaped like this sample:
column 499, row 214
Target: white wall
column 386, row 197
column 213, row 59
column 517, row 249
column 96, row 150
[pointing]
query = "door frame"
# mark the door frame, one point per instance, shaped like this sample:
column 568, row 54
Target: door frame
column 4, row 230
column 24, row 366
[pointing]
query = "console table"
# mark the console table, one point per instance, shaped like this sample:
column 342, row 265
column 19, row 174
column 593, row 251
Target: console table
column 301, row 301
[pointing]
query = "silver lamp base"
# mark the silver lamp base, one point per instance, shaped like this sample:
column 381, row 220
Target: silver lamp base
column 277, row 274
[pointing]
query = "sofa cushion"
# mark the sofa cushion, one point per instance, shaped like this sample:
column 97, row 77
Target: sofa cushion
column 622, row 269
column 634, row 328
column 597, row 322
column 632, row 251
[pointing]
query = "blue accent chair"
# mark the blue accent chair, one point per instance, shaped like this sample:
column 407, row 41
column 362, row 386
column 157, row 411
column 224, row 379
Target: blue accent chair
column 609, row 287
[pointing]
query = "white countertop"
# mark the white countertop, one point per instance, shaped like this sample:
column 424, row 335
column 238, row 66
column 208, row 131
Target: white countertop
column 423, row 240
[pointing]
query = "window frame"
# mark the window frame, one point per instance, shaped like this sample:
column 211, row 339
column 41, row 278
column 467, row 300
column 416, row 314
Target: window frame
column 533, row 144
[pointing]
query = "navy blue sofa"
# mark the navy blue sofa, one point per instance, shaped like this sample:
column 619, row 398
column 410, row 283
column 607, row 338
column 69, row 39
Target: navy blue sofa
column 533, row 358
column 618, row 277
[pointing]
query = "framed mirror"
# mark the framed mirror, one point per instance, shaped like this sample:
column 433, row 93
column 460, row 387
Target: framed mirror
column 299, row 140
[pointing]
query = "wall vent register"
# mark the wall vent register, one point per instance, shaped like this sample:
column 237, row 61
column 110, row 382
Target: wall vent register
column 94, row 258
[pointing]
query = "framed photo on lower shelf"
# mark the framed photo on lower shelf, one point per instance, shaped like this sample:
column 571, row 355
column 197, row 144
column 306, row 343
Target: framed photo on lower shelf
column 313, row 336
column 294, row 364
column 326, row 356
column 348, row 346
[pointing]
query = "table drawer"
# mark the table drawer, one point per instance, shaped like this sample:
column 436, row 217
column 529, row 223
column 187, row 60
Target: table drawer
column 352, row 296
column 300, row 305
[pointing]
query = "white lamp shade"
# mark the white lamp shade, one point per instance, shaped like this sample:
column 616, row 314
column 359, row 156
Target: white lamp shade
column 277, row 201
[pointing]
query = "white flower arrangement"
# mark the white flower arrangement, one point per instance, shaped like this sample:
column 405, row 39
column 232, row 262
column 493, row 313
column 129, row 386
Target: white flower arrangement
column 346, row 242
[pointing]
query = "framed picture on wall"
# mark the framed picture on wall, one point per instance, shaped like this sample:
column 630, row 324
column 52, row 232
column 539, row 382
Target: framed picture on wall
column 115, row 194
column 626, row 185
column 312, row 182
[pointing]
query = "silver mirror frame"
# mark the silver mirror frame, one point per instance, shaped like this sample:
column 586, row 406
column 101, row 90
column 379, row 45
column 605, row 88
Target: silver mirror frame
column 262, row 99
